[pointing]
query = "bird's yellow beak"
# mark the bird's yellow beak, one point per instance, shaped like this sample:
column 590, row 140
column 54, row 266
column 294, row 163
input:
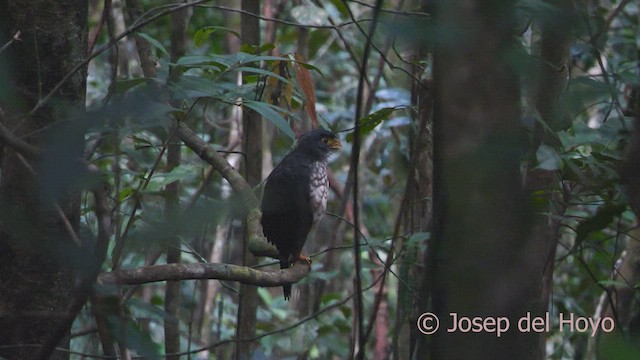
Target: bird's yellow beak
column 334, row 144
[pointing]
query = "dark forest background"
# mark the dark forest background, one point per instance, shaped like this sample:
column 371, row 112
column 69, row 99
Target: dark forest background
column 490, row 167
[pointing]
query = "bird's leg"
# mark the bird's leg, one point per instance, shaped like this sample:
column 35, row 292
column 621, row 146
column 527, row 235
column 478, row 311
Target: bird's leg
column 305, row 259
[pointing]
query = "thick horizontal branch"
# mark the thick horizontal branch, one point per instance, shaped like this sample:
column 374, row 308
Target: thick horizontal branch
column 242, row 274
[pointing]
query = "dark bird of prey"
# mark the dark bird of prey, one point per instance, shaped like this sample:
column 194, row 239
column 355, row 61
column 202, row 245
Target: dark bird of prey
column 295, row 196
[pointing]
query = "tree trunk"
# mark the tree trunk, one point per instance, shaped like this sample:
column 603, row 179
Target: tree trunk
column 252, row 127
column 38, row 209
column 179, row 22
column 546, row 89
column 480, row 262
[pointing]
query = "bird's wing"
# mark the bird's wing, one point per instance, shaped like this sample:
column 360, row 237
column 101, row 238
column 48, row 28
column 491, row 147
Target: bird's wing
column 286, row 212
column 279, row 192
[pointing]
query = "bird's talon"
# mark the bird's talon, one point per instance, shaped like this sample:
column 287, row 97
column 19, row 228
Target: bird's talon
column 305, row 259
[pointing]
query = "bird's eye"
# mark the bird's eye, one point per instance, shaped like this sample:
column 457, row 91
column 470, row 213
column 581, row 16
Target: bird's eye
column 325, row 140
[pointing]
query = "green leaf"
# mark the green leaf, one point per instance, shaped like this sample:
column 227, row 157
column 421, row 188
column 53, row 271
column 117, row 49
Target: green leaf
column 609, row 282
column 190, row 86
column 138, row 112
column 603, row 217
column 418, row 238
column 203, row 34
column 135, row 338
column 341, row 7
column 125, row 193
column 548, row 158
column 305, row 65
column 265, row 295
column 141, row 143
column 253, row 49
column 126, row 84
column 247, row 58
column 155, row 43
column 369, row 122
column 251, row 79
column 160, row 180
column 215, row 63
column 329, row 298
column 266, row 47
column 271, row 113
column 248, row 69
column 249, row 49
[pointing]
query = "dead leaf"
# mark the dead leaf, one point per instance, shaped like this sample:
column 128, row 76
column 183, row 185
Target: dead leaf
column 306, row 84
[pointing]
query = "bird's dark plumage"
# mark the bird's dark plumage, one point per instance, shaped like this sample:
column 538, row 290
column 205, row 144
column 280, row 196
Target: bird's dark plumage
column 295, row 195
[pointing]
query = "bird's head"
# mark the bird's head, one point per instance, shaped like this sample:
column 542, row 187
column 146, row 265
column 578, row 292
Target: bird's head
column 319, row 142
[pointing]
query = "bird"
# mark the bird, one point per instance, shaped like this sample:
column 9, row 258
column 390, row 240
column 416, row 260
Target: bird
column 295, row 196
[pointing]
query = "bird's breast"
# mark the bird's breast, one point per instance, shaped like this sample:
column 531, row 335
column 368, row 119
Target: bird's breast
column 319, row 186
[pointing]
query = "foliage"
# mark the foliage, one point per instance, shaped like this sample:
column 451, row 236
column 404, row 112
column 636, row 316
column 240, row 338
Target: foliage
column 128, row 127
column 587, row 158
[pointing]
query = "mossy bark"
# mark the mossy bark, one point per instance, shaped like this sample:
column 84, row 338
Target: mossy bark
column 36, row 269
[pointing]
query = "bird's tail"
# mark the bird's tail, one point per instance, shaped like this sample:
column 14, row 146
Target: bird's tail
column 285, row 264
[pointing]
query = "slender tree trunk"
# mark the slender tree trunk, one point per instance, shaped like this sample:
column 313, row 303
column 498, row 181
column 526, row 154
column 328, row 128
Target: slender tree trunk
column 252, row 127
column 546, row 90
column 481, row 266
column 418, row 216
column 36, row 246
column 179, row 22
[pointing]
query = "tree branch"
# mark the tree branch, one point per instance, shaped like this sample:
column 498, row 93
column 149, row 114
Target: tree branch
column 147, row 61
column 257, row 243
column 15, row 37
column 333, row 26
column 14, row 142
column 137, row 25
column 242, row 274
column 208, row 154
column 83, row 289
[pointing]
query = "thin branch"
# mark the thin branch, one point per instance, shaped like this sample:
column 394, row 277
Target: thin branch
column 369, row 37
column 120, row 239
column 15, row 38
column 355, row 159
column 347, row 46
column 287, row 328
column 98, row 29
column 242, row 274
column 114, row 54
column 211, row 156
column 106, row 46
column 391, row 11
column 284, row 22
column 610, row 18
column 88, row 279
column 605, row 75
column 14, row 142
column 397, row 226
column 147, row 61
column 387, row 265
column 141, row 23
column 63, row 218
column 257, row 243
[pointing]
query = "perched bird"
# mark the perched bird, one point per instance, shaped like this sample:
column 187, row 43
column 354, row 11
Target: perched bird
column 295, row 196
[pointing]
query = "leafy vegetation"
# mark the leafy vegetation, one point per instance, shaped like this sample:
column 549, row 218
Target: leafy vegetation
column 305, row 74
